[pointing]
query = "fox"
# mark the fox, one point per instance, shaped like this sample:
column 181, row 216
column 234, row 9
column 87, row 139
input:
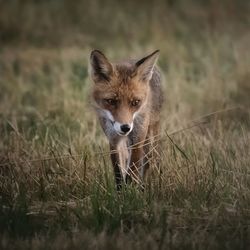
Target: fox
column 128, row 98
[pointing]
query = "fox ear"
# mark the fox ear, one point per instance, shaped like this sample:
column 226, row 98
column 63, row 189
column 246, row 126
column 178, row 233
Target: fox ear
column 145, row 66
column 100, row 68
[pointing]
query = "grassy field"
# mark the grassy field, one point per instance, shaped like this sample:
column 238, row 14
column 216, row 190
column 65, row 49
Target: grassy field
column 56, row 182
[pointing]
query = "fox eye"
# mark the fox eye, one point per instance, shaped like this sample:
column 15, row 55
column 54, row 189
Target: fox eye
column 111, row 102
column 135, row 103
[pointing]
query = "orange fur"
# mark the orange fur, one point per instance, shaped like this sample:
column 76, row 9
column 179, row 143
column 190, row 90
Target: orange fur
column 128, row 98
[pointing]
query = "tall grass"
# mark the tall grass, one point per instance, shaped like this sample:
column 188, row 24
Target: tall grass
column 56, row 182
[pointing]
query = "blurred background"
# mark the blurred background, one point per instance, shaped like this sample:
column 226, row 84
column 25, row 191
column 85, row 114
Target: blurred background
column 109, row 23
column 45, row 46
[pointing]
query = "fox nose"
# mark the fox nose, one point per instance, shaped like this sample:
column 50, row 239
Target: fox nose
column 125, row 128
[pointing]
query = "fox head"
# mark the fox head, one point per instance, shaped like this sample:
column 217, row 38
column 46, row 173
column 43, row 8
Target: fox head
column 121, row 90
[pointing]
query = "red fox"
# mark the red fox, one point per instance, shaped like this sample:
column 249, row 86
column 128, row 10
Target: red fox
column 127, row 97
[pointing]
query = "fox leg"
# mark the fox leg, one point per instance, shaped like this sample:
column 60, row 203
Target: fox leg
column 124, row 157
column 114, row 154
column 136, row 163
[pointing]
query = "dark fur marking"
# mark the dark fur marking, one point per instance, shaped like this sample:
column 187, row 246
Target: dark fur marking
column 145, row 58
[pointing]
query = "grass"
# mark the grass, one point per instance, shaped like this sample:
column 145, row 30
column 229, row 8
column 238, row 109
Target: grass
column 56, row 182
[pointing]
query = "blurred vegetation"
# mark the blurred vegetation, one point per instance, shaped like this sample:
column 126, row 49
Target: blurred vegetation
column 100, row 23
column 56, row 180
